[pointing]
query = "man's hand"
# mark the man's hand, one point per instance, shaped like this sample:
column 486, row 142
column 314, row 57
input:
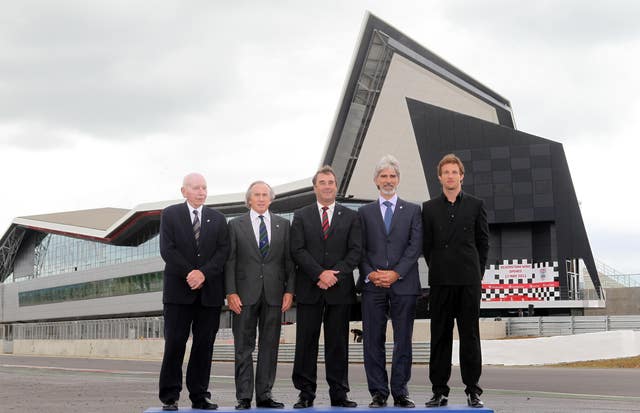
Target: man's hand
column 235, row 303
column 328, row 277
column 384, row 278
column 195, row 279
column 287, row 300
column 322, row 285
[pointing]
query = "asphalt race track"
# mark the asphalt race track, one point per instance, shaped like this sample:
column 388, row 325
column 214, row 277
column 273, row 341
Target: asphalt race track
column 72, row 385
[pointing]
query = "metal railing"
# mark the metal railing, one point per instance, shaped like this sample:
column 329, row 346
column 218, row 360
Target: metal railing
column 556, row 326
column 153, row 328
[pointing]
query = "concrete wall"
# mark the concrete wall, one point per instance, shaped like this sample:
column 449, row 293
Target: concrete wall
column 489, row 330
column 620, row 301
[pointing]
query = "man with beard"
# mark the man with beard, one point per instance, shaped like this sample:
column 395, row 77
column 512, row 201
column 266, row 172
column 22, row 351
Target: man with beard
column 390, row 285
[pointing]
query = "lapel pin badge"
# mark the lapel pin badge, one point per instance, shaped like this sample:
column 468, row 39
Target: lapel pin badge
column 400, row 206
column 208, row 220
column 277, row 225
column 339, row 212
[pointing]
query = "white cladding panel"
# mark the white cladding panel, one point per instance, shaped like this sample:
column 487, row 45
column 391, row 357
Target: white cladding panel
column 391, row 131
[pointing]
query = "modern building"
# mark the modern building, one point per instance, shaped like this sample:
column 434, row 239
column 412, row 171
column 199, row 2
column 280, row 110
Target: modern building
column 399, row 98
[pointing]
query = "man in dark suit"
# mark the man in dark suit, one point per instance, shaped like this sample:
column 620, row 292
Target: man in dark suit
column 326, row 244
column 259, row 280
column 456, row 244
column 194, row 244
column 390, row 285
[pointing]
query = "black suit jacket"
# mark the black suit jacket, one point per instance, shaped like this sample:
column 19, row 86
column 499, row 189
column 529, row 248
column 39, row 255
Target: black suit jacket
column 399, row 250
column 456, row 252
column 181, row 255
column 313, row 254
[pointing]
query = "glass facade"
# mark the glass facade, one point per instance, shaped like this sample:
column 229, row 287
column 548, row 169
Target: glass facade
column 58, row 254
column 133, row 284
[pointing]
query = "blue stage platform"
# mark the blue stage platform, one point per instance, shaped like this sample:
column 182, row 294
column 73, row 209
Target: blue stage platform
column 329, row 409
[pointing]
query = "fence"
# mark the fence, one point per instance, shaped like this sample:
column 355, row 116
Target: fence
column 153, row 327
column 556, row 326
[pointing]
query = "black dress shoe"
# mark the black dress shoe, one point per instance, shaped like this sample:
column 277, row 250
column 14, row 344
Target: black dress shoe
column 473, row 400
column 170, row 406
column 344, row 403
column 437, row 400
column 403, row 401
column 303, row 403
column 378, row 401
column 243, row 404
column 204, row 404
column 270, row 404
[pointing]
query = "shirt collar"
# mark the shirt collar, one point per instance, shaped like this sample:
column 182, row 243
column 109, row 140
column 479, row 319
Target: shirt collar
column 191, row 209
column 331, row 206
column 393, row 200
column 254, row 215
column 444, row 197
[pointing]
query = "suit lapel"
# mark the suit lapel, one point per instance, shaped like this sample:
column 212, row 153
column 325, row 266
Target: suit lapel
column 396, row 214
column 188, row 223
column 275, row 233
column 247, row 229
column 336, row 219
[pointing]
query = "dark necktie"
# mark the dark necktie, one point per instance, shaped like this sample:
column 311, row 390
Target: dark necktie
column 264, row 238
column 325, row 222
column 388, row 214
column 196, row 226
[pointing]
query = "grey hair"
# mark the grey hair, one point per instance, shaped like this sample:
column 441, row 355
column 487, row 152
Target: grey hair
column 272, row 194
column 387, row 161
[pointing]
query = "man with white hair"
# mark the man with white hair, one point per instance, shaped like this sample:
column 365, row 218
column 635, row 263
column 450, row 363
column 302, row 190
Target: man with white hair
column 259, row 281
column 391, row 246
column 194, row 244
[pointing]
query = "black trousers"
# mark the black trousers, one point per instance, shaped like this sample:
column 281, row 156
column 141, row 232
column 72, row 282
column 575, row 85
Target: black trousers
column 462, row 303
column 309, row 318
column 203, row 322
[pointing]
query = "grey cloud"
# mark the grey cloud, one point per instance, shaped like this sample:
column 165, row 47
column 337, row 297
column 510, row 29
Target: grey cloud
column 110, row 73
column 549, row 22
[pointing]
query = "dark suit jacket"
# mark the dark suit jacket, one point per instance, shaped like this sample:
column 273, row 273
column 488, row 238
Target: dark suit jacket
column 247, row 272
column 456, row 253
column 181, row 255
column 313, row 254
column 398, row 251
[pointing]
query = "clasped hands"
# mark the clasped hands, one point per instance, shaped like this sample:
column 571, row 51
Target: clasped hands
column 383, row 278
column 195, row 279
column 327, row 279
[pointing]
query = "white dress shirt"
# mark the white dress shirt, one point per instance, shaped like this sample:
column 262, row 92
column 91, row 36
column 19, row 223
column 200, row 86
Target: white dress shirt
column 329, row 211
column 255, row 223
column 192, row 215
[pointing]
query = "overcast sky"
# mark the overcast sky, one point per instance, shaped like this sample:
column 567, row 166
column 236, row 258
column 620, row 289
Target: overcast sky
column 110, row 103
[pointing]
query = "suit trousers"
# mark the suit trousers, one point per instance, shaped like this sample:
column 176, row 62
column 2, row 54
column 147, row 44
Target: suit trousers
column 379, row 304
column 267, row 318
column 178, row 320
column 462, row 303
column 309, row 318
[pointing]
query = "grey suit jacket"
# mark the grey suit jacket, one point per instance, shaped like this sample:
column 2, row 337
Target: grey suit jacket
column 247, row 273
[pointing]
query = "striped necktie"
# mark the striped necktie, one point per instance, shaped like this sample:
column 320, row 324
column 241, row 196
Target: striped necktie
column 264, row 238
column 196, row 226
column 325, row 222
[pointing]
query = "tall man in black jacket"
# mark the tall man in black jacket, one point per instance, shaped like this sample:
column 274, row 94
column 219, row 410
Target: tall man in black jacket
column 325, row 244
column 455, row 246
column 194, row 244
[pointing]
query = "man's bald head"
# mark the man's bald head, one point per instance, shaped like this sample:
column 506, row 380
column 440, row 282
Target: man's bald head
column 194, row 189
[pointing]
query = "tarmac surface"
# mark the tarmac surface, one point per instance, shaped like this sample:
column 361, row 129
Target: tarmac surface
column 74, row 385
